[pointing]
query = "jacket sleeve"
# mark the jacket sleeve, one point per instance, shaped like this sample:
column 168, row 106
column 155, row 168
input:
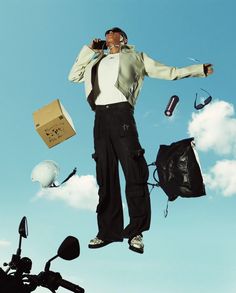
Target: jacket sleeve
column 83, row 59
column 158, row 70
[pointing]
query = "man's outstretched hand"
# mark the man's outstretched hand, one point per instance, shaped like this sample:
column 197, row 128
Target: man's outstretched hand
column 208, row 69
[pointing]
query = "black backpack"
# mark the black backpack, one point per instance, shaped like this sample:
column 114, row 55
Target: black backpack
column 178, row 170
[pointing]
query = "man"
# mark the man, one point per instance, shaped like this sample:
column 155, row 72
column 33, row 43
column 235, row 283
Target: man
column 112, row 84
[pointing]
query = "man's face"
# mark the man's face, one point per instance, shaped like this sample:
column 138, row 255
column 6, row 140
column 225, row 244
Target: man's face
column 113, row 38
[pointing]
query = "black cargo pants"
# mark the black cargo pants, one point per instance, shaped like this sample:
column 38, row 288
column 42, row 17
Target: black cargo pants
column 116, row 140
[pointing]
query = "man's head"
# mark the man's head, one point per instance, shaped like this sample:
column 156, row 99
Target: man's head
column 115, row 37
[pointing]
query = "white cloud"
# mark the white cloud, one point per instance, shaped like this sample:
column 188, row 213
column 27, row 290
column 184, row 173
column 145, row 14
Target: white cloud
column 222, row 176
column 79, row 192
column 4, row 243
column 214, row 128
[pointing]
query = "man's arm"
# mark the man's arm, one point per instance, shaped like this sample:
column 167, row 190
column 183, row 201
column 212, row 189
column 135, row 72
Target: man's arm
column 83, row 59
column 158, row 70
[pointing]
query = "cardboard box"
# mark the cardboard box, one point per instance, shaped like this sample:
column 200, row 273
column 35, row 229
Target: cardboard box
column 53, row 123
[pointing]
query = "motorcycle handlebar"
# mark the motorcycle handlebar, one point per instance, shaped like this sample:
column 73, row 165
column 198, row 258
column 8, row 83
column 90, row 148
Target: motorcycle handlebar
column 53, row 280
column 70, row 286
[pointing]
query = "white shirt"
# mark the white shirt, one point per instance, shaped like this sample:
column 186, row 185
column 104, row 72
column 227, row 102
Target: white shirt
column 107, row 77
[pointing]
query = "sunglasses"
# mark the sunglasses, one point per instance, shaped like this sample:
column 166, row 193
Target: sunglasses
column 206, row 101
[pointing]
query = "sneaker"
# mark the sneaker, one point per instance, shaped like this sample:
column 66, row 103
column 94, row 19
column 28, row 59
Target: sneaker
column 136, row 244
column 97, row 243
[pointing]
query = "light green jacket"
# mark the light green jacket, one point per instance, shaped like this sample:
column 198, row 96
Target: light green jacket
column 133, row 67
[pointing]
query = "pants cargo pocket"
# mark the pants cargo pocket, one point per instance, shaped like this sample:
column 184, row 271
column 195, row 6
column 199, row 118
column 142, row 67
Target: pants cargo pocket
column 138, row 203
column 137, row 170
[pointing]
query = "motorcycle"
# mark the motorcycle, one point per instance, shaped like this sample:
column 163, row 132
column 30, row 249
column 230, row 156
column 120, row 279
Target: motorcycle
column 17, row 278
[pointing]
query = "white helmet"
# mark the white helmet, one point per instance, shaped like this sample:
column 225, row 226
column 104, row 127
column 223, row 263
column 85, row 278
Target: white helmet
column 45, row 173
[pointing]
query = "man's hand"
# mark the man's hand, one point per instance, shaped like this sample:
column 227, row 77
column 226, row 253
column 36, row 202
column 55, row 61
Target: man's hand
column 208, row 69
column 91, row 46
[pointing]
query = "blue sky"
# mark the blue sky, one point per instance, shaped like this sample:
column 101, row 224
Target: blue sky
column 193, row 249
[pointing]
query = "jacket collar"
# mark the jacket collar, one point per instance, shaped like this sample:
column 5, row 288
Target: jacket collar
column 127, row 48
column 124, row 49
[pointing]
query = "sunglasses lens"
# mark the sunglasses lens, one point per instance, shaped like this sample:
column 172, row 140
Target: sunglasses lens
column 208, row 100
column 198, row 107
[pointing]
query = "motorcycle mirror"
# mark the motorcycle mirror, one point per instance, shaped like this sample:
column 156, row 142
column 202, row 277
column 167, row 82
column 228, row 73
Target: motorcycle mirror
column 23, row 231
column 23, row 228
column 69, row 249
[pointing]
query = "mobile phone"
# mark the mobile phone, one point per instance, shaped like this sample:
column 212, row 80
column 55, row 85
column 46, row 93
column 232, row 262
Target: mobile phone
column 100, row 45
